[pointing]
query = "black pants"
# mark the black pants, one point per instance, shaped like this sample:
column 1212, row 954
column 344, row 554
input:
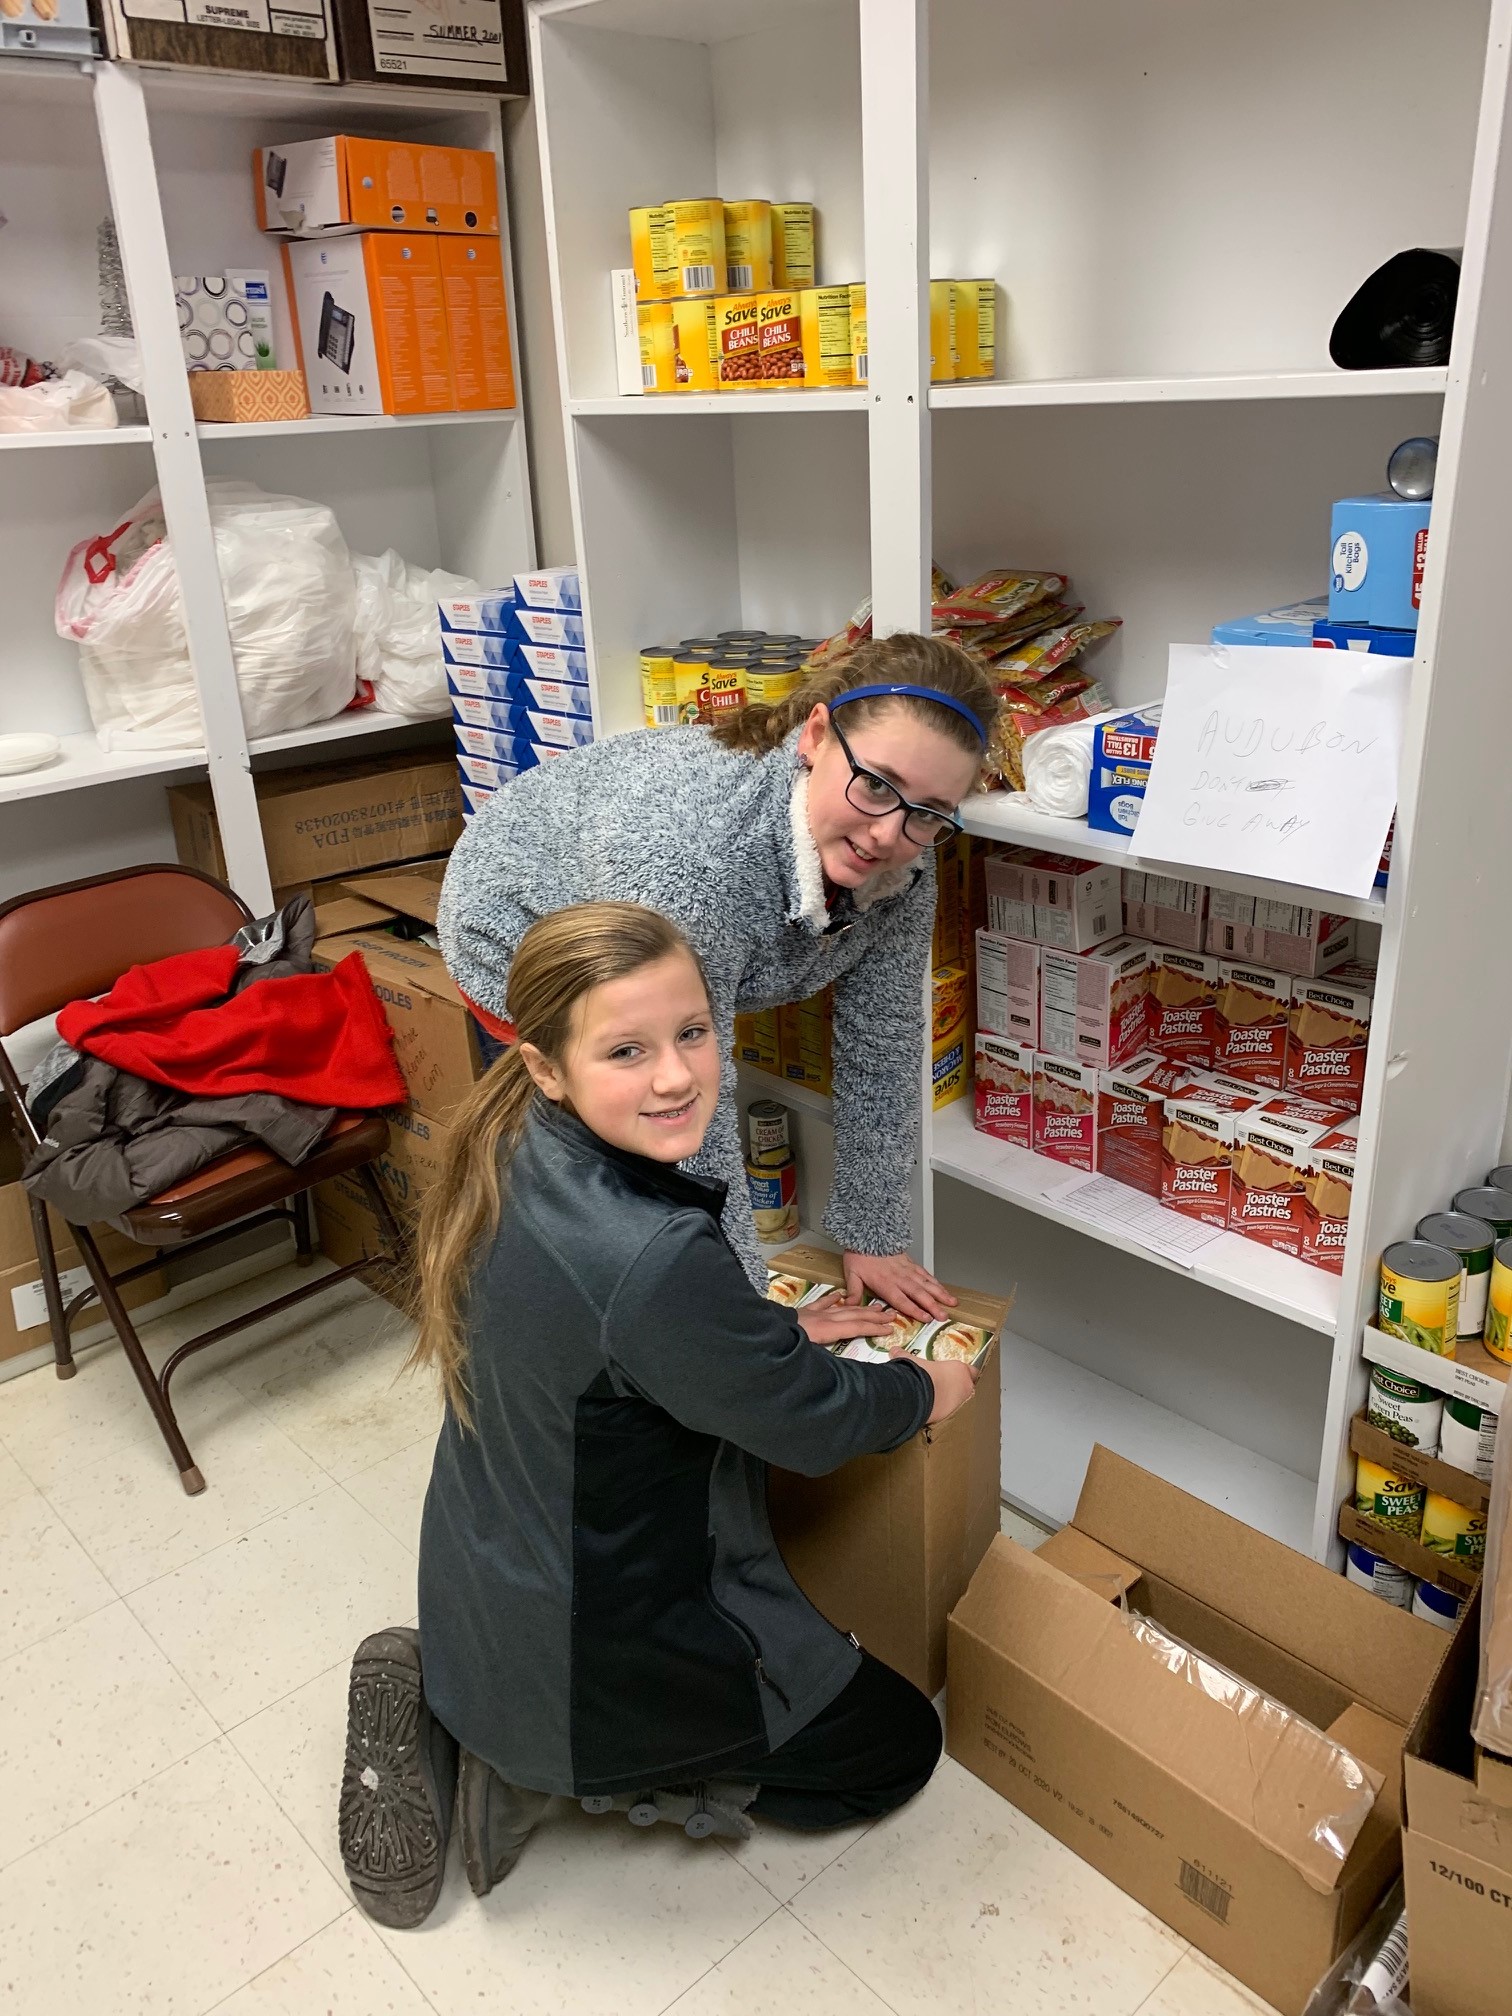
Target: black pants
column 873, row 1747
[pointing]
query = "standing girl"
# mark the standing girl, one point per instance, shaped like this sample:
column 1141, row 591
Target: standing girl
column 603, row 1610
column 793, row 846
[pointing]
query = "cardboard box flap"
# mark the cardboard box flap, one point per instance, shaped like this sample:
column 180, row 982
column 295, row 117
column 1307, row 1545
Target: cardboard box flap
column 1267, row 1587
column 1086, row 1561
column 818, row 1263
column 1442, row 1800
column 1267, row 1769
column 341, row 914
column 413, row 890
column 387, row 957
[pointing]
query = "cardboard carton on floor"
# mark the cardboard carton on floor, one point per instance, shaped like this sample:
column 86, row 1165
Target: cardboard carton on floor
column 885, row 1546
column 23, row 1308
column 1207, row 1817
column 1457, row 1850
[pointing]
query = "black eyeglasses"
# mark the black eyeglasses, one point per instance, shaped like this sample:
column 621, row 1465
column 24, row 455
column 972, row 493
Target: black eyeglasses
column 869, row 793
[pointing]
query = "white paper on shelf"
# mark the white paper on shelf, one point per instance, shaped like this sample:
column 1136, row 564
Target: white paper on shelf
column 1136, row 1216
column 1276, row 762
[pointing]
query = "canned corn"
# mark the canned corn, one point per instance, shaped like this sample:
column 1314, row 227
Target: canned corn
column 825, row 325
column 748, row 246
column 1453, row 1529
column 860, row 363
column 793, row 245
column 1473, row 1239
column 652, row 253
column 976, row 328
column 1420, row 1295
column 698, row 244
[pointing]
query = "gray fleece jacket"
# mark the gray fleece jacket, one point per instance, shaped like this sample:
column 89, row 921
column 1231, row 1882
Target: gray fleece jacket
column 718, row 840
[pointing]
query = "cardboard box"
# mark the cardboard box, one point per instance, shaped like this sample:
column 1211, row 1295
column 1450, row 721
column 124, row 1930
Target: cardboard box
column 489, row 611
column 1165, row 909
column 370, row 323
column 23, row 1306
column 1162, row 1787
column 1254, row 1010
column 1008, row 987
column 1327, row 1034
column 1286, row 936
column 332, row 819
column 1131, row 1124
column 549, row 588
column 1327, row 1198
column 217, row 35
column 1272, row 1168
column 1077, row 904
column 885, row 1546
column 339, row 185
column 1197, row 1148
column 243, row 396
column 1184, row 1006
column 1095, row 1005
column 1065, row 1110
column 1290, row 626
column 805, row 1041
column 952, row 1047
column 1457, row 1850
column 1380, row 548
column 1003, row 1089
column 1122, row 751
column 477, row 323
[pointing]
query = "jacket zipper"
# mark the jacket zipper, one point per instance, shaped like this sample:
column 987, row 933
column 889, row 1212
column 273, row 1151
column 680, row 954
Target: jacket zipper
column 763, row 1678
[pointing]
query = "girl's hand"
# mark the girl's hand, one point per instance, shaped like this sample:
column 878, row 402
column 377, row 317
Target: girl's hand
column 900, row 1282
column 833, row 1320
column 953, row 1383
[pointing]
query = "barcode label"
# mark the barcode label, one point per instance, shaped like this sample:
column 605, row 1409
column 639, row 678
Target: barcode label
column 1206, row 1893
column 858, row 365
column 665, row 717
column 1386, row 1976
column 648, row 377
column 698, row 279
column 742, row 279
column 1099, row 926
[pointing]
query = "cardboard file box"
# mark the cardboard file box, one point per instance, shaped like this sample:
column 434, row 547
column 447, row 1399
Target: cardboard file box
column 340, row 184
column 886, row 1545
column 284, row 38
column 370, row 320
column 475, row 45
column 1204, row 1816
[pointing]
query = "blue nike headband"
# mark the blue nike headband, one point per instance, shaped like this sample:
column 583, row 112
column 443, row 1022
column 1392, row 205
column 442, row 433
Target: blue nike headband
column 911, row 693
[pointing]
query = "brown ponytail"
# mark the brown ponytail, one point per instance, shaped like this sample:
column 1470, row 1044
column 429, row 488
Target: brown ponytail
column 559, row 959
column 877, row 661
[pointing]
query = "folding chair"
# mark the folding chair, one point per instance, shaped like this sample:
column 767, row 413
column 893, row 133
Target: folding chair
column 76, row 940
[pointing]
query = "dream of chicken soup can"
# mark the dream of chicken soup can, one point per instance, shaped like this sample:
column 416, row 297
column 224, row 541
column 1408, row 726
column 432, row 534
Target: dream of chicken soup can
column 774, row 1200
column 1409, row 1413
column 768, row 1123
column 1420, row 1295
column 1474, row 1240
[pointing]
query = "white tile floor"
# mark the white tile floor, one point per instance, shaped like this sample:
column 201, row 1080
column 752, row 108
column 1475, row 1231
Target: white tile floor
column 172, row 1702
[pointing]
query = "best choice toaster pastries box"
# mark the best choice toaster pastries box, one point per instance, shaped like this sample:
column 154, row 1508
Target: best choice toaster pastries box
column 1008, row 987
column 1122, row 750
column 1065, row 1110
column 1094, row 1006
column 1272, row 1169
column 1197, row 1147
column 1254, row 1007
column 1003, row 1089
column 1283, row 935
column 1326, row 1039
column 1076, row 903
column 1325, row 1205
column 1131, row 1124
column 313, row 188
column 1165, row 909
column 1184, row 1006
column 1168, row 1788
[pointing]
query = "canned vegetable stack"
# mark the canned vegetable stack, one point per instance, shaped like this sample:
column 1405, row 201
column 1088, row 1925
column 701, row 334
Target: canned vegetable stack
column 703, row 679
column 1453, row 1281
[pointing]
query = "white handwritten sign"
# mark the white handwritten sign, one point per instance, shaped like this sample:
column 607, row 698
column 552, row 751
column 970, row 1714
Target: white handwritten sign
column 1276, row 762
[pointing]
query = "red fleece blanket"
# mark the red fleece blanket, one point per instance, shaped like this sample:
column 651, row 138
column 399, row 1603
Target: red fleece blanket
column 320, row 1038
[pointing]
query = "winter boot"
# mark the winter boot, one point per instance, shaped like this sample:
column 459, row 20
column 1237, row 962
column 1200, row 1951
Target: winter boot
column 496, row 1820
column 397, row 1786
column 700, row 1810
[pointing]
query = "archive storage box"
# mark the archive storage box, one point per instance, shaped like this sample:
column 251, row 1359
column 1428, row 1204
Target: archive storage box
column 284, row 38
column 885, row 1545
column 475, row 45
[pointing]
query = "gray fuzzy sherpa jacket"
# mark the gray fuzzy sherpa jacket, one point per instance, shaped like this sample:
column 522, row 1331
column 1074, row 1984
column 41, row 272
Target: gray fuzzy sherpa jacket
column 718, row 840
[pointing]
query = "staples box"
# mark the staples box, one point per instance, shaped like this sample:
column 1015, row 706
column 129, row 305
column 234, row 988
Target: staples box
column 1326, row 1202
column 549, row 588
column 1004, row 1089
column 1076, row 903
column 506, row 718
column 1065, row 1110
column 493, row 682
column 1122, row 750
column 370, row 319
column 1131, row 1124
column 1254, row 1010
column 554, row 661
column 479, row 647
column 548, row 626
column 1008, row 987
column 1197, row 1148
column 1165, row 909
column 1380, row 548
column 1272, row 1168
column 1327, row 1036
column 325, row 188
column 488, row 611
column 1158, row 1782
column 1184, row 1006
column 499, row 745
column 1094, row 1006
column 1284, row 935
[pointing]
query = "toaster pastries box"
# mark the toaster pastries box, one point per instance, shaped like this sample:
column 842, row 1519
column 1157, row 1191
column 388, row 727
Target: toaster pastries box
column 1281, row 935
column 1065, row 1110
column 1326, row 1039
column 1272, row 1169
column 1197, row 1148
column 1008, row 987
column 1254, row 1011
column 1010, row 907
column 1184, row 1006
column 1165, row 909
column 1131, row 1123
column 1325, row 1203
column 1077, row 904
column 1004, row 1089
column 1094, row 1006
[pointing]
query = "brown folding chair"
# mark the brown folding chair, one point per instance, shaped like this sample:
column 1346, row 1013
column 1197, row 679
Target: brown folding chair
column 75, row 940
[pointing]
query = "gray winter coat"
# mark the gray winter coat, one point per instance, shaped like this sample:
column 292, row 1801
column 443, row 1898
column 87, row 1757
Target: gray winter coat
column 602, row 1605
column 718, row 840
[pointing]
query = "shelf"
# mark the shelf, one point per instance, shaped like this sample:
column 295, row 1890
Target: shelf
column 1330, row 384
column 803, row 1237
column 345, row 423
column 1471, row 1374
column 1009, row 817
column 639, row 407
column 84, row 762
column 767, row 1085
column 235, row 94
column 79, row 437
column 365, row 721
column 1053, row 1412
column 1234, row 1266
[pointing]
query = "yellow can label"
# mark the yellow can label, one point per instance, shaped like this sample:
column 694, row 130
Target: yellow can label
column 860, row 362
column 737, row 345
column 696, row 326
column 1453, row 1529
column 942, row 332
column 793, row 245
column 658, row 345
column 698, row 245
column 658, row 690
column 825, row 318
column 708, row 692
column 757, row 1041
column 779, row 336
column 748, row 247
column 1425, row 1313
column 770, row 689
column 1389, row 1501
column 976, row 328
column 653, row 253
column 1499, row 1312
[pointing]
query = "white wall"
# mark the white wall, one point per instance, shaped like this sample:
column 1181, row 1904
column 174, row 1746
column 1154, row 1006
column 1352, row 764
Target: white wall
column 544, row 430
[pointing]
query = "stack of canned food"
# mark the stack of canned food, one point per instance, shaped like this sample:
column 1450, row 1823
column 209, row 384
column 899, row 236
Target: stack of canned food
column 1453, row 1281
column 706, row 678
column 771, row 1173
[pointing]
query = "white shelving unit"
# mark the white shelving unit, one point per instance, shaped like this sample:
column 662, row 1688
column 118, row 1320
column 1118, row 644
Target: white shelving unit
column 167, row 154
column 1176, row 197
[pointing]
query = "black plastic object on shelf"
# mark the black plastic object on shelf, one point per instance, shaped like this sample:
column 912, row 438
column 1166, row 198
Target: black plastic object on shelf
column 1403, row 314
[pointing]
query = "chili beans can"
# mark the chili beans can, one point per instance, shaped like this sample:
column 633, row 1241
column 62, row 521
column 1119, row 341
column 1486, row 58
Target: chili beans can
column 860, row 362
column 652, row 253
column 696, row 346
column 698, row 245
column 1420, row 1295
column 779, row 322
column 657, row 325
column 942, row 332
column 793, row 229
column 825, row 325
column 748, row 246
column 737, row 338
column 976, row 328
column 1474, row 1241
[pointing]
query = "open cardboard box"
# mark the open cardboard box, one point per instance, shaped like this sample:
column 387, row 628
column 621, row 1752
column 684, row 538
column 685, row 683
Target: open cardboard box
column 1457, row 1848
column 1204, row 1816
column 886, row 1545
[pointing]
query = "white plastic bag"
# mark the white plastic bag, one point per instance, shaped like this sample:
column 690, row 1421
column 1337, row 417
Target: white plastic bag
column 290, row 602
column 399, row 632
column 54, row 405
